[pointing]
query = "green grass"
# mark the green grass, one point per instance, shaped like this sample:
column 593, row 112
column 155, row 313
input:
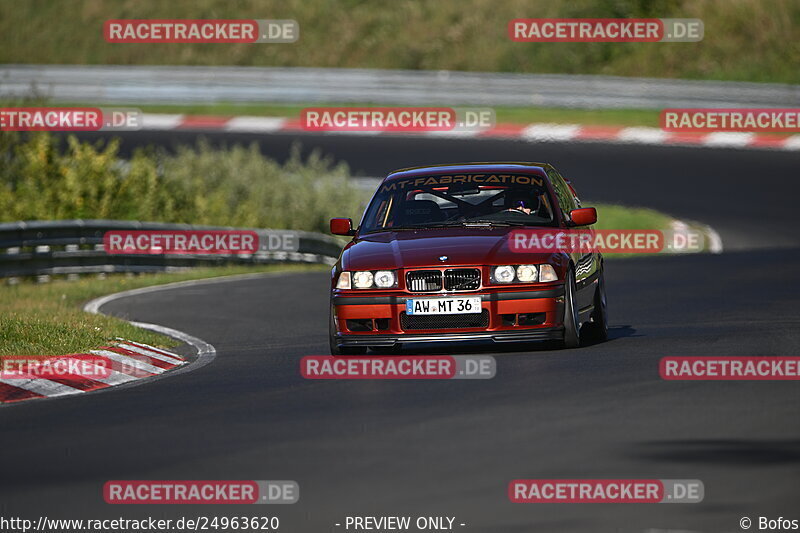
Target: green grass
column 47, row 318
column 621, row 217
column 505, row 115
column 748, row 40
column 509, row 115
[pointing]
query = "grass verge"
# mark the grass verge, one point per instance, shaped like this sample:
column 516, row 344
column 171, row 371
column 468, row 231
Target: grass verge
column 610, row 216
column 48, row 318
column 618, row 217
column 503, row 115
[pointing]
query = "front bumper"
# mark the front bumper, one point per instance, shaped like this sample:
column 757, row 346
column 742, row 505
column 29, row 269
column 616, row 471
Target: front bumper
column 509, row 317
column 539, row 334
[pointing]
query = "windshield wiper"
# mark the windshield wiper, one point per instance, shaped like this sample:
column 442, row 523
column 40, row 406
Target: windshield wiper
column 472, row 224
column 495, row 223
column 453, row 224
column 446, row 224
column 416, row 227
column 427, row 225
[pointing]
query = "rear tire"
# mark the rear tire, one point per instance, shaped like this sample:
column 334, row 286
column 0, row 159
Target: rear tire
column 572, row 337
column 597, row 329
column 341, row 350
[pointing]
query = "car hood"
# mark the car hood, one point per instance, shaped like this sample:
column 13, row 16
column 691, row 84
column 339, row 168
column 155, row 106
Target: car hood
column 425, row 247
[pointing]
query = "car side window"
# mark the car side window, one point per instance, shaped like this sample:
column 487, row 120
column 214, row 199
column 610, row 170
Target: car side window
column 566, row 200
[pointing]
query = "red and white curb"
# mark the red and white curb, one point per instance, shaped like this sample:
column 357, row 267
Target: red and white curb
column 122, row 362
column 539, row 132
column 132, row 363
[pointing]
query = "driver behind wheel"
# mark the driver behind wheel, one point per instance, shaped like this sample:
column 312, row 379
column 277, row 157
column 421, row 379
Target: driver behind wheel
column 523, row 202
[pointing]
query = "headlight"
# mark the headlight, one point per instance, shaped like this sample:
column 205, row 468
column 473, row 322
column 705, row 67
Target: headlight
column 344, row 281
column 523, row 274
column 385, row 279
column 367, row 279
column 527, row 273
column 503, row 274
column 547, row 273
column 363, row 280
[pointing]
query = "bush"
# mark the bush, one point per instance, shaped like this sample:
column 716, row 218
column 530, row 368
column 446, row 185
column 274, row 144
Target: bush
column 41, row 180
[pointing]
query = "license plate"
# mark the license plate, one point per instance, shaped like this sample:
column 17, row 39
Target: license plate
column 443, row 306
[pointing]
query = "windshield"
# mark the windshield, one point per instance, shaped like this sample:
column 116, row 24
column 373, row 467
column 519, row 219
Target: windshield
column 459, row 200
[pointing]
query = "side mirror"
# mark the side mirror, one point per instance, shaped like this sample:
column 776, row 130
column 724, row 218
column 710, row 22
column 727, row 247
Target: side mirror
column 584, row 216
column 342, row 226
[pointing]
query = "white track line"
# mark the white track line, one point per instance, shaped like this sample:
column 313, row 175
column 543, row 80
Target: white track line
column 255, row 124
column 94, row 306
column 128, row 361
column 714, row 240
column 792, row 143
column 162, row 351
column 160, row 121
column 728, row 138
column 205, row 351
column 550, row 132
column 643, row 135
column 150, row 353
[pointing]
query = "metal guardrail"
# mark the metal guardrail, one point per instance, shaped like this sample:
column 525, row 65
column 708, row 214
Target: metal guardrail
column 73, row 247
column 116, row 84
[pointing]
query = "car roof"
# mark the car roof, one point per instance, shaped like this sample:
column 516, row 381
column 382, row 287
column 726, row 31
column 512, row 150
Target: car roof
column 488, row 166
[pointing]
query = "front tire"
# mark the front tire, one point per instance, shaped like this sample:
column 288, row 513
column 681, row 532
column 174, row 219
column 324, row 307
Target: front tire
column 597, row 329
column 572, row 337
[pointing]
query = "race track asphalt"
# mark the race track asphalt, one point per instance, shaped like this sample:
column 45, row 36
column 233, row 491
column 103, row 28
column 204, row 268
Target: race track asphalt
column 451, row 447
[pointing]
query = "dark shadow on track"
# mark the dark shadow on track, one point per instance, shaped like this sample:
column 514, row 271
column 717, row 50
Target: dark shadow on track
column 737, row 452
column 614, row 333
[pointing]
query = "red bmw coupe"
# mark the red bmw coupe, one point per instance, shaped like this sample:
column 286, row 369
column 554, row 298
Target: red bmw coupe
column 431, row 262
